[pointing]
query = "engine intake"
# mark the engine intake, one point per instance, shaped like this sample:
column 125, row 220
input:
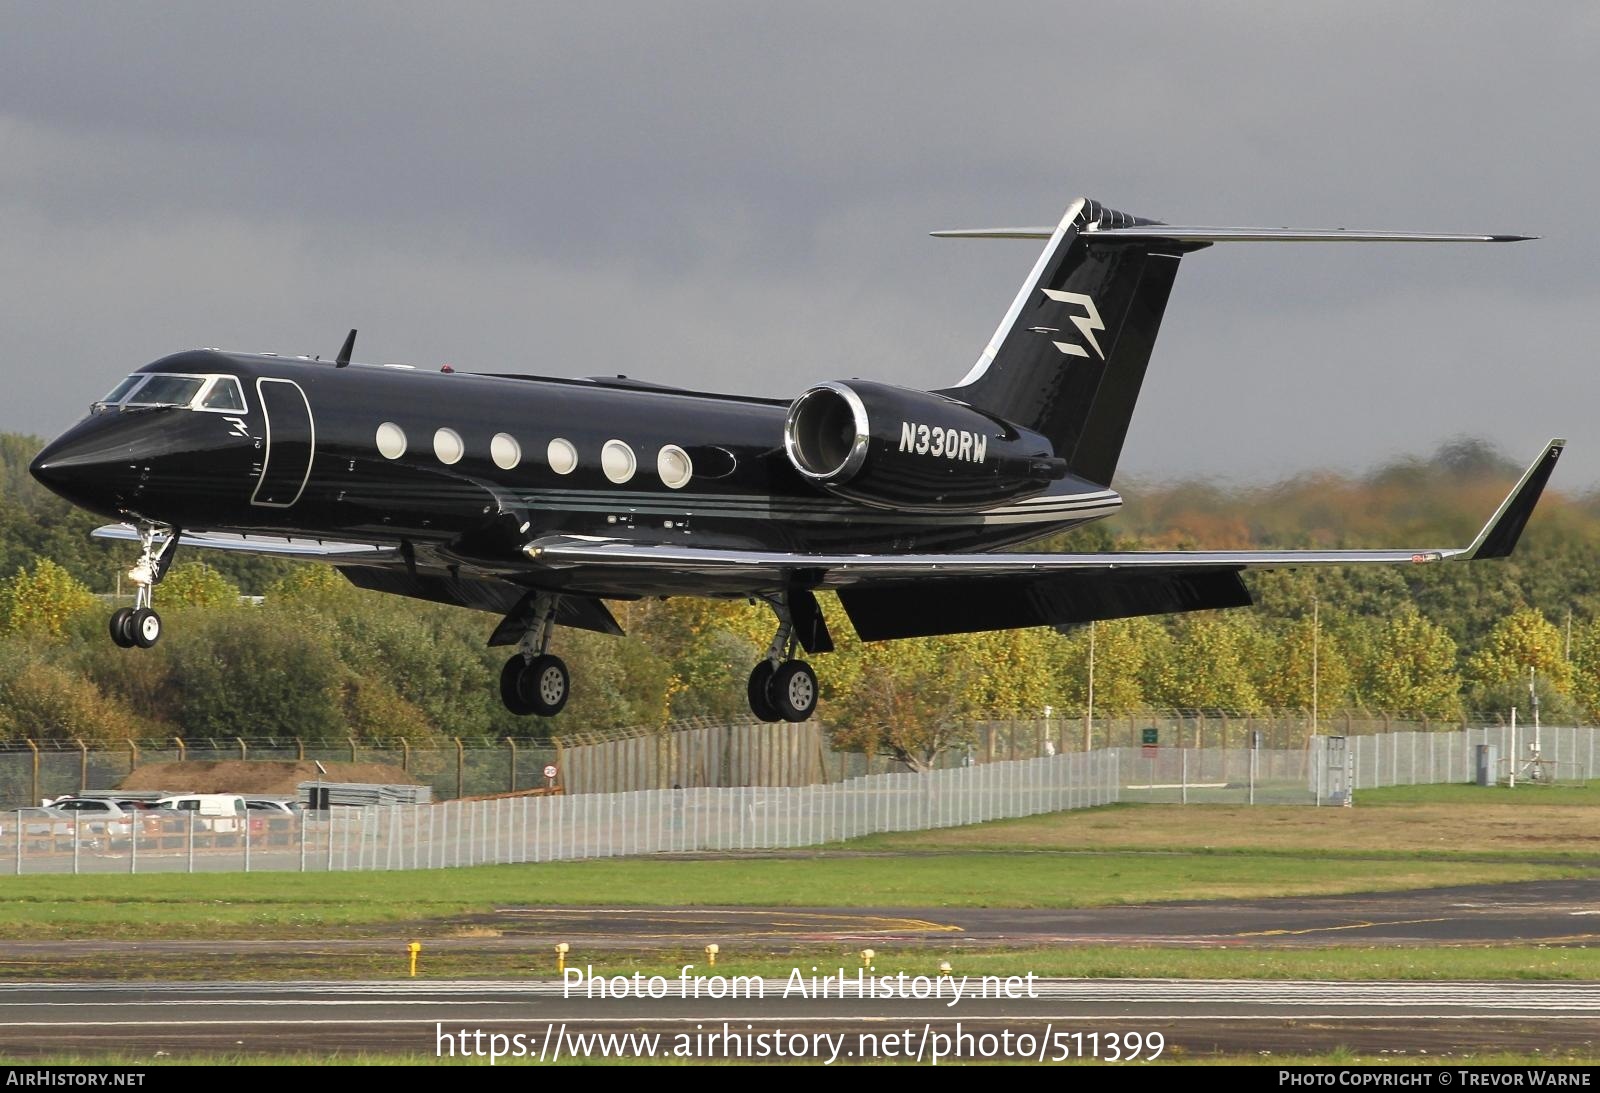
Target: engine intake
column 896, row 448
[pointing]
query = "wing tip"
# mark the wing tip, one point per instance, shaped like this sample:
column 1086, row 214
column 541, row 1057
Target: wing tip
column 1499, row 536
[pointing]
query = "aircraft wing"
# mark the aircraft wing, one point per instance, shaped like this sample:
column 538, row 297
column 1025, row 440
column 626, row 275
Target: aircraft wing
column 906, row 595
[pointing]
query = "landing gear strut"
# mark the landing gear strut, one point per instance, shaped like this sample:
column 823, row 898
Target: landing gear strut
column 139, row 625
column 782, row 688
column 535, row 681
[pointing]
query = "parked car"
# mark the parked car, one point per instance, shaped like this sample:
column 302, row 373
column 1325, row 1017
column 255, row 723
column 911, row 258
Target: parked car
column 96, row 818
column 36, row 823
column 278, row 805
column 223, row 813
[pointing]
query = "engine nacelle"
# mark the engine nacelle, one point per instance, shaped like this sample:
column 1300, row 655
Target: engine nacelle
column 895, row 448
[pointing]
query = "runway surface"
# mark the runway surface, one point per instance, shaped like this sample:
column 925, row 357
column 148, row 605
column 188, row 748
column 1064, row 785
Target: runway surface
column 39, row 1020
column 1190, row 1017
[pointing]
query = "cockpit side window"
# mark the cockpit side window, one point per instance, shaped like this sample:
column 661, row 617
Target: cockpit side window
column 224, row 394
column 162, row 390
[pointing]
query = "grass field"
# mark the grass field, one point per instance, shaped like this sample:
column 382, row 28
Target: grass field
column 356, row 904
column 1395, row 839
column 1432, row 823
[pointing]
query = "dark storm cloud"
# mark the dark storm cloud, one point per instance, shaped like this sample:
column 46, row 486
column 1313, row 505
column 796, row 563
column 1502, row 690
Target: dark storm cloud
column 737, row 196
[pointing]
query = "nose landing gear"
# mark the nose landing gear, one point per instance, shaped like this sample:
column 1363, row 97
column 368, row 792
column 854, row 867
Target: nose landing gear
column 139, row 625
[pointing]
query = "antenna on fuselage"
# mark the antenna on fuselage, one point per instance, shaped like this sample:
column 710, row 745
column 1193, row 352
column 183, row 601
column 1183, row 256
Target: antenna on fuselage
column 343, row 358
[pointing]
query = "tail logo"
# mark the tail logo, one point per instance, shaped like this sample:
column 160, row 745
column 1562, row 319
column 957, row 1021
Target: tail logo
column 1087, row 323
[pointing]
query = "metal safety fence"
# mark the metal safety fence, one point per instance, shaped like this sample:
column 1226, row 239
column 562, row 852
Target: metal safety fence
column 559, row 828
column 1423, row 758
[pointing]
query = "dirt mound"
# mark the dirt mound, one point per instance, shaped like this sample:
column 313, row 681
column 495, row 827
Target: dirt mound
column 275, row 776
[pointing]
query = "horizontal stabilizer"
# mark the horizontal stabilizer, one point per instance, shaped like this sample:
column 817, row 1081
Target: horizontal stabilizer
column 1178, row 234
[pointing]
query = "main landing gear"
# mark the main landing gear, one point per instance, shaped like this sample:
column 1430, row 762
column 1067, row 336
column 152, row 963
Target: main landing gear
column 535, row 681
column 782, row 688
column 139, row 625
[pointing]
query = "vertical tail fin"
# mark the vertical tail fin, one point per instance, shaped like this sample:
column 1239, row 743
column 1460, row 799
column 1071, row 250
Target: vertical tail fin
column 1070, row 355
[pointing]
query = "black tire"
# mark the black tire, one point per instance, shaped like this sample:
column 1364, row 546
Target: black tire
column 793, row 691
column 510, row 692
column 545, row 685
column 145, row 627
column 756, row 691
column 121, row 628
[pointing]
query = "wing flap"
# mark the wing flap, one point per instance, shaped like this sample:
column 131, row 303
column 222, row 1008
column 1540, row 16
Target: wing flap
column 899, row 610
column 271, row 546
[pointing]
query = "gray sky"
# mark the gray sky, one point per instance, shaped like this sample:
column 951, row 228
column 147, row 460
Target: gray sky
column 737, row 196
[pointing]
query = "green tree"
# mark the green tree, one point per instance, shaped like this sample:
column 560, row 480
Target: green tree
column 1207, row 665
column 1123, row 650
column 1012, row 671
column 1409, row 667
column 908, row 699
column 1522, row 640
column 41, row 601
column 42, row 700
column 195, row 584
column 1586, row 669
column 253, row 673
column 1290, row 651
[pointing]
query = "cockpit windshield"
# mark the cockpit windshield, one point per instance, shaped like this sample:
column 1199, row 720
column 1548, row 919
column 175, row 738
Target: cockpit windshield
column 216, row 393
column 161, row 390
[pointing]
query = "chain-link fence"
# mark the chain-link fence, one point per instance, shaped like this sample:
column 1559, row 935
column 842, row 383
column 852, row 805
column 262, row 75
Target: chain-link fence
column 1417, row 758
column 1218, row 745
column 753, row 817
column 555, row 828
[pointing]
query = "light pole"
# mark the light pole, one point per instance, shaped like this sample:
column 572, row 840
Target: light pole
column 1316, row 642
column 1088, row 711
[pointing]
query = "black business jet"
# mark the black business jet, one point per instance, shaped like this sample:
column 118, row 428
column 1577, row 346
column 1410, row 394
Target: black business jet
column 538, row 499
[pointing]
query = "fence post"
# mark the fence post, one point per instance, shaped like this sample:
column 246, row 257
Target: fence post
column 35, row 748
column 461, row 763
column 299, row 750
column 192, row 815
column 244, row 749
column 83, row 765
column 512, row 744
column 405, row 755
column 352, row 748
column 183, row 749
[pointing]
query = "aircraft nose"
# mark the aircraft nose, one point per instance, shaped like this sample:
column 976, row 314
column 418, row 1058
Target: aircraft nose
column 82, row 465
